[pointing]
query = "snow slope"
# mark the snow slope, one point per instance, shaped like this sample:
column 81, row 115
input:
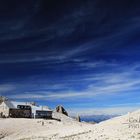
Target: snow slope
column 125, row 127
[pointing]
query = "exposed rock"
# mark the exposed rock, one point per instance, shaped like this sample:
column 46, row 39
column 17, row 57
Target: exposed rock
column 78, row 118
column 61, row 109
column 2, row 98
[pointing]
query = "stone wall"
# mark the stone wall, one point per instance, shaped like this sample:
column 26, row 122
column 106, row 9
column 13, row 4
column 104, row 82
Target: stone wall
column 4, row 110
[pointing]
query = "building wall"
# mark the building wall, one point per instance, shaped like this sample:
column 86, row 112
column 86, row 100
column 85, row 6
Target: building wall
column 4, row 110
column 43, row 114
column 20, row 113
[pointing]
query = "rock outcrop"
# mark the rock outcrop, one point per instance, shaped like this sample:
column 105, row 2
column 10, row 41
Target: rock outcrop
column 61, row 109
column 2, row 98
column 78, row 118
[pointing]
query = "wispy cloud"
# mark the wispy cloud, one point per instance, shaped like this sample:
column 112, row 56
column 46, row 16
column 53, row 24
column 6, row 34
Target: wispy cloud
column 97, row 64
column 98, row 84
column 102, row 111
column 92, row 91
column 6, row 87
column 49, row 58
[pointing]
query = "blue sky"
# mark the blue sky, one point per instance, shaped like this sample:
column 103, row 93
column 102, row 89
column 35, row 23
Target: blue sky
column 84, row 55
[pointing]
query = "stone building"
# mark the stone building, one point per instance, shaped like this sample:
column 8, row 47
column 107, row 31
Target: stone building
column 10, row 108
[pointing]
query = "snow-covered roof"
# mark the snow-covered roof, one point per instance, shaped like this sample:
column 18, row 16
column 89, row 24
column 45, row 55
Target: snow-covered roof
column 44, row 108
column 13, row 104
column 9, row 104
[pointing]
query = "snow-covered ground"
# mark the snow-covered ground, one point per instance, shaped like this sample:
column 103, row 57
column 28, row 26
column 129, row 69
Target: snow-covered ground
column 125, row 127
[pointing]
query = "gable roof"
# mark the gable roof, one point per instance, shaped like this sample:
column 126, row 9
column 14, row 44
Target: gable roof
column 9, row 104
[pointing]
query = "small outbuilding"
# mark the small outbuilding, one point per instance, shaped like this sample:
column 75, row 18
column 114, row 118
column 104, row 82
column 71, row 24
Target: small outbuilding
column 41, row 112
